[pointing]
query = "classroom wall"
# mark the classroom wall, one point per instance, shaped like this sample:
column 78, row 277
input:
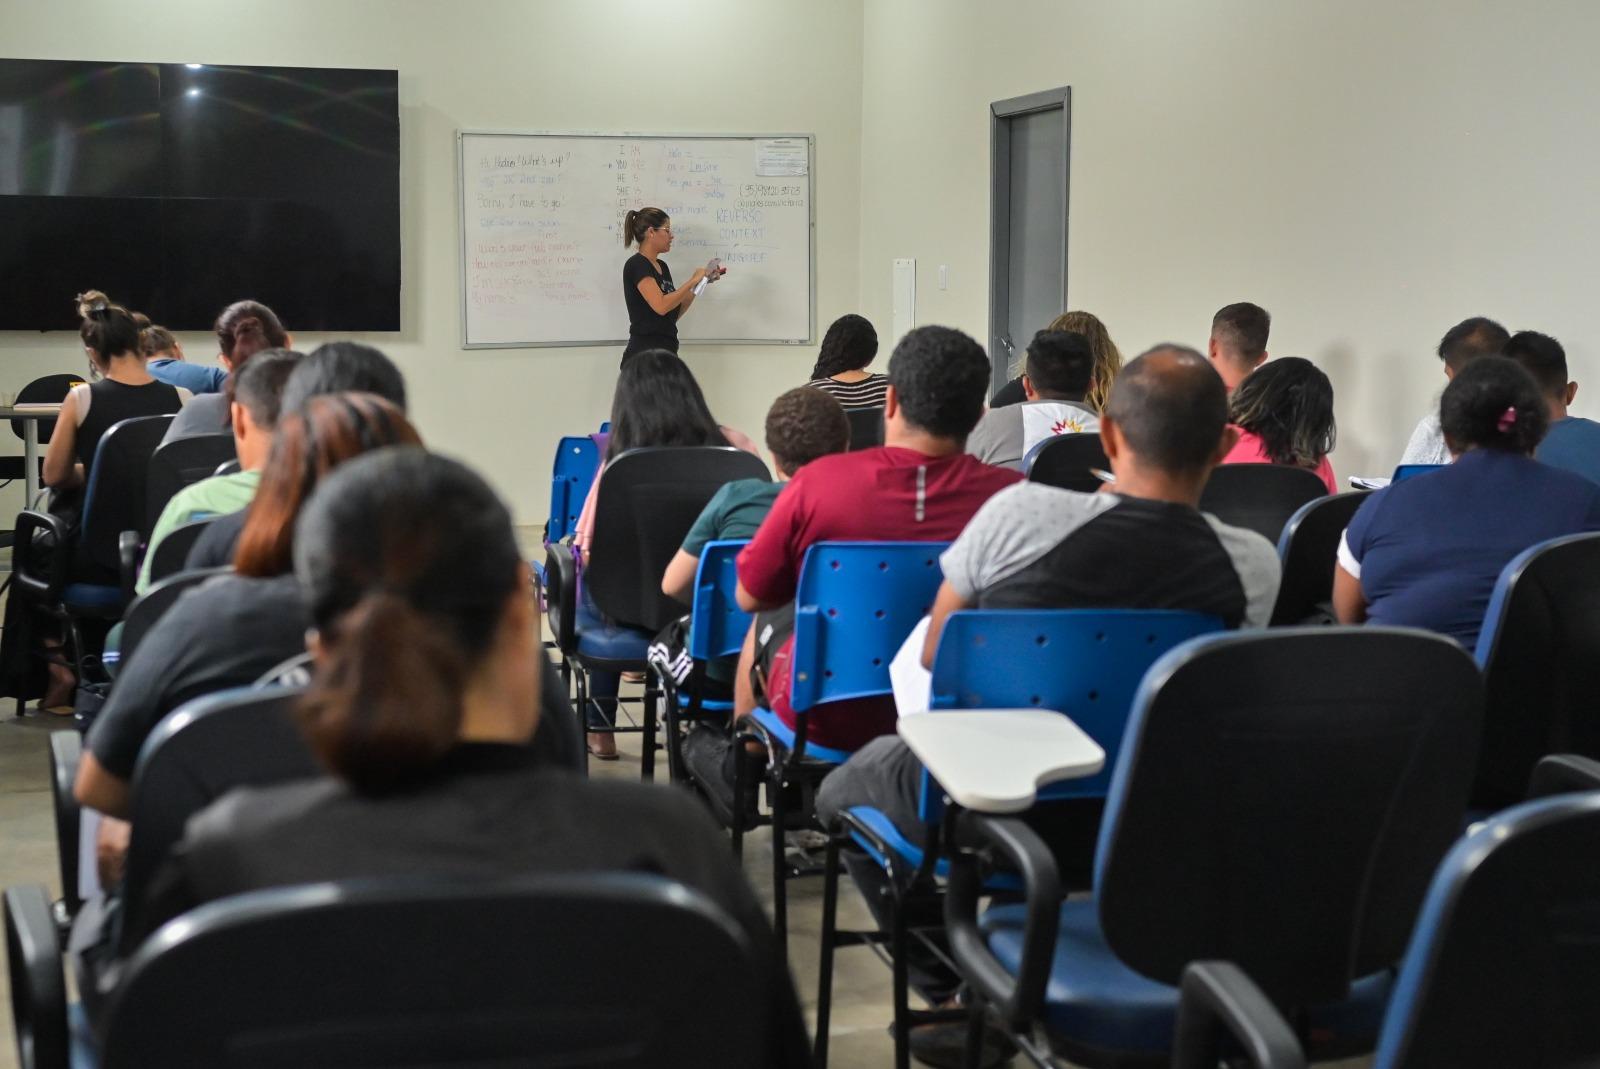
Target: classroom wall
column 1370, row 172
column 738, row 66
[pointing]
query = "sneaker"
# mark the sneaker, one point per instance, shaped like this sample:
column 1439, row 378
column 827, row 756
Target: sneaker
column 943, row 1045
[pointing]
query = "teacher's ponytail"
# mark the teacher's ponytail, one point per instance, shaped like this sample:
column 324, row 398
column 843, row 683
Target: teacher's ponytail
column 636, row 223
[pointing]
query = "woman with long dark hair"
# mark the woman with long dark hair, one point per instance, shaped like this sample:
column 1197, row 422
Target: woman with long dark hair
column 841, row 367
column 1284, row 413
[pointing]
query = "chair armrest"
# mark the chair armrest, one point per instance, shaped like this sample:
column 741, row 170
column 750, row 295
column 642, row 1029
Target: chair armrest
column 128, row 550
column 44, row 580
column 561, row 595
column 38, row 983
column 1217, row 995
column 66, row 751
column 1020, row 998
column 1563, row 774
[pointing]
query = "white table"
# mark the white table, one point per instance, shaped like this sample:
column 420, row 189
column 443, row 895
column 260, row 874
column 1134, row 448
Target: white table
column 31, row 416
column 995, row 760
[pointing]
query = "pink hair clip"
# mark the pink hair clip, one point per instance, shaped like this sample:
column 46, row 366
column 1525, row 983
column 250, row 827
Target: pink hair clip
column 1508, row 419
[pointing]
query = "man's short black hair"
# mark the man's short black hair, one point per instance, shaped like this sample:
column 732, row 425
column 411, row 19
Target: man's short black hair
column 258, row 386
column 1060, row 364
column 1171, row 407
column 1243, row 328
column 344, row 367
column 1542, row 357
column 1470, row 339
column 941, row 377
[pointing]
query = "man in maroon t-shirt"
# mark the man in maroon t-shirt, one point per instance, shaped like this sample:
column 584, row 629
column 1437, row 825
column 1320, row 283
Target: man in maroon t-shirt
column 920, row 485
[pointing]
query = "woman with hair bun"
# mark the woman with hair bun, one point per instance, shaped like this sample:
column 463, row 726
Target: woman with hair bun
column 243, row 329
column 424, row 699
column 654, row 304
column 1427, row 552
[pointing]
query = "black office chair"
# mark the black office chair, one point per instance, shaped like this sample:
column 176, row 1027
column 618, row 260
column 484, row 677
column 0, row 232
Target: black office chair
column 403, row 975
column 866, row 427
column 150, row 606
column 1308, row 548
column 171, row 552
column 1065, row 461
column 648, row 500
column 49, row 390
column 182, row 462
column 1281, row 800
column 90, row 578
column 1504, row 969
column 1540, row 654
column 1259, row 497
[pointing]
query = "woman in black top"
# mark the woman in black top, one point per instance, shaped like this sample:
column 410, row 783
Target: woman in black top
column 654, row 304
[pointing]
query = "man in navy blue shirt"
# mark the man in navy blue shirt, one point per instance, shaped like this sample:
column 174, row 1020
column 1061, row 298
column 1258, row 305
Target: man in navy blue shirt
column 1572, row 442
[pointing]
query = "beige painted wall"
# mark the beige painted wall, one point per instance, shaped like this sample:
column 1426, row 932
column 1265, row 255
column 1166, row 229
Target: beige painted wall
column 1370, row 171
column 737, row 66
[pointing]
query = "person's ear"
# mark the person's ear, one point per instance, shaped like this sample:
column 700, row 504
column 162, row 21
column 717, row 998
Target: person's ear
column 1027, row 387
column 519, row 620
column 1110, row 438
column 1572, row 391
column 239, row 416
column 1213, row 350
column 1264, row 358
column 891, row 403
column 315, row 646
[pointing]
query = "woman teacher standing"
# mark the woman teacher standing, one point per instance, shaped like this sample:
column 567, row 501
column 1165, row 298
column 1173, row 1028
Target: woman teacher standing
column 654, row 304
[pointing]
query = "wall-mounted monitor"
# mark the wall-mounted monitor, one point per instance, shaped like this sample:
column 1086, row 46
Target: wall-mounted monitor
column 178, row 188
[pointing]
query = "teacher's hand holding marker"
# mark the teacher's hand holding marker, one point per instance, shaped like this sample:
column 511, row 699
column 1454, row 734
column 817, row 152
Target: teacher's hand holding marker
column 654, row 303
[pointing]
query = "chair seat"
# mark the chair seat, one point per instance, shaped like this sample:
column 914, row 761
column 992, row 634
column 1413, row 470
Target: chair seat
column 887, row 833
column 777, row 731
column 92, row 598
column 601, row 640
column 1095, row 1002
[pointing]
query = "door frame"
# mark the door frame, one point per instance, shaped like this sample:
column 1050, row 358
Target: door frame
column 1000, row 210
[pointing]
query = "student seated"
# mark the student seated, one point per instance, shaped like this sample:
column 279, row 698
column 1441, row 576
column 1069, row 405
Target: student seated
column 657, row 403
column 1059, row 375
column 335, row 367
column 1462, row 344
column 425, row 699
column 841, row 368
column 124, row 390
column 258, row 388
column 1107, row 361
column 232, row 630
column 919, row 486
column 244, row 328
column 1427, row 552
column 1238, row 342
column 1572, row 442
column 164, row 358
column 1284, row 415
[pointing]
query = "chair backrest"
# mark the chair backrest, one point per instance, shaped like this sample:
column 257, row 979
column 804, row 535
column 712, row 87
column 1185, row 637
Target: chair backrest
column 1259, row 497
column 717, row 625
column 153, row 604
column 855, row 605
column 1065, row 461
column 577, row 460
column 115, row 499
column 1308, row 548
column 1540, row 653
column 1084, row 663
column 1411, row 471
column 48, row 390
column 228, row 467
column 648, row 500
column 1504, row 968
column 240, row 737
column 1281, row 801
column 435, row 973
column 172, row 552
column 181, row 462
column 866, row 427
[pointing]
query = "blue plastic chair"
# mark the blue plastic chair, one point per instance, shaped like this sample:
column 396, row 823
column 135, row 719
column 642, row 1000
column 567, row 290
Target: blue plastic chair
column 1281, row 800
column 1411, row 471
column 1083, row 663
column 855, row 604
column 577, row 460
column 1502, row 969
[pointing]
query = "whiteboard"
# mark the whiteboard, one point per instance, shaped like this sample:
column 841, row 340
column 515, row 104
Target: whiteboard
column 541, row 234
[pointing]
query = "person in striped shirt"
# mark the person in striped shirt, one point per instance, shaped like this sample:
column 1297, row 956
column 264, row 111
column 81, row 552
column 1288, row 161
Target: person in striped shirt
column 841, row 369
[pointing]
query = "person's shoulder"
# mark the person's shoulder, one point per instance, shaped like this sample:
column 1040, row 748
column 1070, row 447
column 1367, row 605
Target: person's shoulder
column 1023, row 505
column 977, row 471
column 1244, row 546
column 635, row 266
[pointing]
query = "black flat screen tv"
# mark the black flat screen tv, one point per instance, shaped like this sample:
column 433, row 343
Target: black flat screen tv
column 179, row 188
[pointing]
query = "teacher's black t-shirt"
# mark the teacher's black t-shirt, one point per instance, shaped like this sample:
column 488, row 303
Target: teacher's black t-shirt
column 647, row 329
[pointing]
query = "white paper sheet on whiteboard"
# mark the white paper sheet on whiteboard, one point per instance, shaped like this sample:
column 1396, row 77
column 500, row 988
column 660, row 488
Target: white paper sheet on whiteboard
column 782, row 157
